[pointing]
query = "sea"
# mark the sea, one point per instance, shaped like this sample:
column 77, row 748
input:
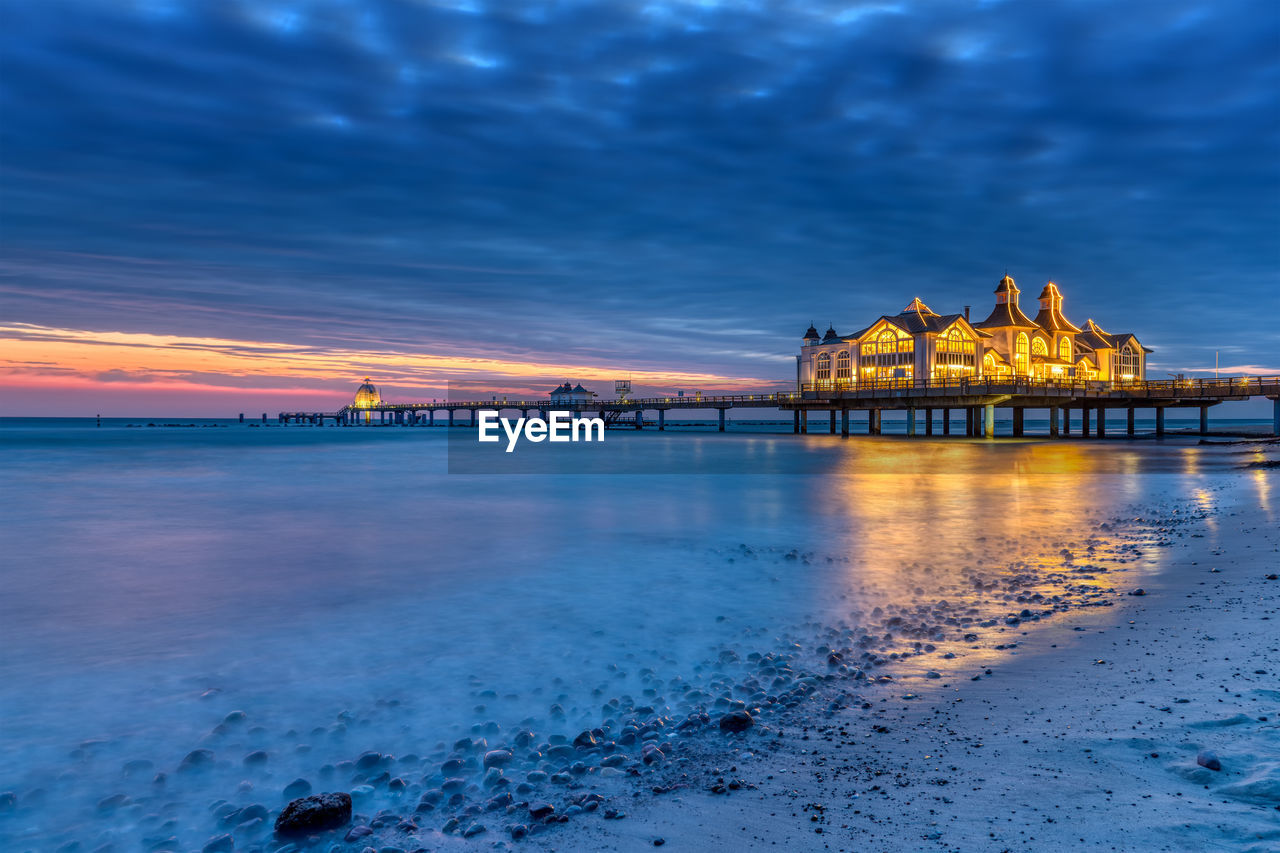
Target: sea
column 199, row 614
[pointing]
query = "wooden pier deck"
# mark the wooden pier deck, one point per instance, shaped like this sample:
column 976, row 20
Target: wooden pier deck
column 976, row 398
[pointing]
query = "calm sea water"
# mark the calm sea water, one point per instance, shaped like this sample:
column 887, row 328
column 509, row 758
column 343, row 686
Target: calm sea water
column 347, row 593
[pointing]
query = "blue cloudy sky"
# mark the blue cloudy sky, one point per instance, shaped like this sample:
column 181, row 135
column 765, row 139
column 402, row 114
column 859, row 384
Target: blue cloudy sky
column 670, row 187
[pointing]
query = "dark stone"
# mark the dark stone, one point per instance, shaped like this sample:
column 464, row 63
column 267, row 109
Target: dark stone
column 315, row 813
column 368, row 761
column 586, row 740
column 1139, row 591
column 540, row 810
column 219, row 844
column 197, row 759
column 496, row 758
column 519, row 831
column 473, row 830
column 736, row 721
column 358, row 832
column 256, row 757
column 297, row 788
column 1209, row 758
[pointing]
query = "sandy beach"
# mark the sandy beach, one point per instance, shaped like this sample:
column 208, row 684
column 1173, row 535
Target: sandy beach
column 1085, row 736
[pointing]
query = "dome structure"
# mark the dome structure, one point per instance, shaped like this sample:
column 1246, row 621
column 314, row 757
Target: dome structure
column 367, row 395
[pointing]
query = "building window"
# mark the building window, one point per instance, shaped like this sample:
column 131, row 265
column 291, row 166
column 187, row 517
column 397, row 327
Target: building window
column 1064, row 349
column 956, row 354
column 1126, row 362
column 1020, row 360
column 890, row 356
column 842, row 365
column 824, row 367
column 1039, row 347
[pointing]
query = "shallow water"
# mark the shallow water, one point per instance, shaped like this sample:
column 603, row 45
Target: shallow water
column 348, row 594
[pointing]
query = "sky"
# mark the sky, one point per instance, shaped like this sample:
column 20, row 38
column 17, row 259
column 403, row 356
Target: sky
column 208, row 208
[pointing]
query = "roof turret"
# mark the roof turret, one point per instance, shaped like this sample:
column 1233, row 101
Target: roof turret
column 1051, row 317
column 1006, row 313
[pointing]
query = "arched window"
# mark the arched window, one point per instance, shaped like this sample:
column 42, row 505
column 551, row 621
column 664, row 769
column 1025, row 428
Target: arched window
column 1020, row 360
column 1064, row 349
column 956, row 354
column 842, row 365
column 824, row 367
column 1039, row 347
column 988, row 363
column 1127, row 363
column 889, row 354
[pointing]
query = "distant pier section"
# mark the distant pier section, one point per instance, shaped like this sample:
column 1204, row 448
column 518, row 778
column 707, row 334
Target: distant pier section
column 961, row 406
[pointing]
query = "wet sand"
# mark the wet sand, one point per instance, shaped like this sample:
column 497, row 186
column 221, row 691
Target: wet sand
column 1086, row 736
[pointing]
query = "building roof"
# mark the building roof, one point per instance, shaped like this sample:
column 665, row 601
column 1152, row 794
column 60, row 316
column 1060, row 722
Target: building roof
column 1006, row 313
column 830, row 336
column 1093, row 337
column 811, row 333
column 1050, row 316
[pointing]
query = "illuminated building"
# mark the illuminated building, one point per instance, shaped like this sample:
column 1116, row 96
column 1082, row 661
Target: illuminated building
column 567, row 393
column 366, row 396
column 918, row 346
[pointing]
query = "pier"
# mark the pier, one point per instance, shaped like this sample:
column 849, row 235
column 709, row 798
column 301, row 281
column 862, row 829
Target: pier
column 966, row 407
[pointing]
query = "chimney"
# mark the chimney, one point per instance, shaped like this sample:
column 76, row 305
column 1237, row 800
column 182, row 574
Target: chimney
column 966, row 313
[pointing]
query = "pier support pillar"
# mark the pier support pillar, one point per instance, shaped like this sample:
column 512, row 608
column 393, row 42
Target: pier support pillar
column 662, row 419
column 1102, row 422
column 989, row 420
column 1053, row 421
column 1160, row 421
column 431, row 418
column 722, row 411
column 928, row 421
column 1204, row 420
column 844, row 423
column 1066, row 420
column 795, row 425
column 911, row 421
column 451, row 417
column 1017, row 421
column 640, row 419
column 873, row 422
column 804, row 421
column 1129, row 425
column 1275, row 416
column 833, row 421
column 968, row 421
column 946, row 422
column 1084, row 421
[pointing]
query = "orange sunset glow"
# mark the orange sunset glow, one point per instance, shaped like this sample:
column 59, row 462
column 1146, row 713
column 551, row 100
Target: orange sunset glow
column 118, row 371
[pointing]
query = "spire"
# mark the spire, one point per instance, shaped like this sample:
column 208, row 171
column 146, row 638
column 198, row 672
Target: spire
column 919, row 307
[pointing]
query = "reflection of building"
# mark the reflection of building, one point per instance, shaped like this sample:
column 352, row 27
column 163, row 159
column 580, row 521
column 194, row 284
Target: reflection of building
column 366, row 396
column 918, row 344
column 567, row 393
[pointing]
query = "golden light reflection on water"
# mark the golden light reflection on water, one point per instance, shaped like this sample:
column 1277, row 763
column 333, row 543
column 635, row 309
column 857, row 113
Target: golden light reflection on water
column 1262, row 485
column 979, row 525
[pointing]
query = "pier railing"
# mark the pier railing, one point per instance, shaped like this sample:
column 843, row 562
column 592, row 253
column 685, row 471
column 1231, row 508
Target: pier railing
column 1241, row 386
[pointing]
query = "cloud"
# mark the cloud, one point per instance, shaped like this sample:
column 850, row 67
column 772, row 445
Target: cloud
column 675, row 186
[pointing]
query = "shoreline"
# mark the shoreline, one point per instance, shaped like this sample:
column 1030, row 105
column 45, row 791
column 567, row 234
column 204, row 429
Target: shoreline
column 1085, row 736
column 869, row 730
